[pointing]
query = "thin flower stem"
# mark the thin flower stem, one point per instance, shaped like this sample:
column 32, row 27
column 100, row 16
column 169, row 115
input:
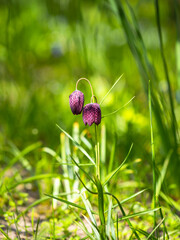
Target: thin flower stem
column 89, row 85
column 97, row 152
column 92, row 99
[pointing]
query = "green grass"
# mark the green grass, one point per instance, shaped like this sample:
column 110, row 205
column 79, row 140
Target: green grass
column 60, row 179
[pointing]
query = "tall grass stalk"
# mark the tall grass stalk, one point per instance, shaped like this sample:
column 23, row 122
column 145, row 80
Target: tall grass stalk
column 153, row 156
column 177, row 14
column 156, row 2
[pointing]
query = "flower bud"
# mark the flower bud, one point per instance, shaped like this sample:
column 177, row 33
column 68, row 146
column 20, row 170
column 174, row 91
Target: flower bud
column 76, row 102
column 92, row 114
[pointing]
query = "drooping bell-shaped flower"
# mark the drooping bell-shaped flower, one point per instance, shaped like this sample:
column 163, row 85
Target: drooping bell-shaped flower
column 92, row 114
column 76, row 102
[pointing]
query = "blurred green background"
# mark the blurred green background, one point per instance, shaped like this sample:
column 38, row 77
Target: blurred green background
column 46, row 46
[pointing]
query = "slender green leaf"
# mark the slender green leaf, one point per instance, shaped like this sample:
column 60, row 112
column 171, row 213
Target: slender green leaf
column 155, row 228
column 134, row 195
column 153, row 155
column 109, row 177
column 106, row 115
column 67, row 202
column 4, row 234
column 80, row 220
column 90, row 212
column 170, row 95
column 163, row 173
column 93, row 227
column 138, row 214
column 82, row 169
column 129, row 198
column 77, row 145
column 165, row 231
column 37, row 226
column 109, row 218
column 88, row 208
column 112, row 156
column 35, row 178
column 124, row 214
column 110, row 89
column 17, row 230
column 37, row 202
column 101, row 207
column 145, row 233
column 19, row 155
column 89, row 235
column 171, row 233
column 52, row 153
column 85, row 185
column 170, row 201
column 117, row 230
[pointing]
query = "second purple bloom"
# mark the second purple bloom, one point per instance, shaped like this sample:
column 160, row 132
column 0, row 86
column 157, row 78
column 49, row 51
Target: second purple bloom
column 92, row 114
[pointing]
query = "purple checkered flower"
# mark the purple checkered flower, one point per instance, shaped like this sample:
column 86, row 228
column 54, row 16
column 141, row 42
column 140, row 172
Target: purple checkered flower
column 76, row 102
column 92, row 114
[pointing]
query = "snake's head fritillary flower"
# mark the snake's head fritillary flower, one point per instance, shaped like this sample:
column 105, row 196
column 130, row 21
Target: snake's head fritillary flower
column 76, row 102
column 92, row 114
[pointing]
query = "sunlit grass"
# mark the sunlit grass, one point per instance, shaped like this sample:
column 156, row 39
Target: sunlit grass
column 44, row 48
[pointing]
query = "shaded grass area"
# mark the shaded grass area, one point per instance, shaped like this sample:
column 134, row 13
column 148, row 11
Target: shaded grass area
column 45, row 47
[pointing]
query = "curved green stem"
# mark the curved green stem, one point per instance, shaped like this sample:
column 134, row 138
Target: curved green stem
column 89, row 85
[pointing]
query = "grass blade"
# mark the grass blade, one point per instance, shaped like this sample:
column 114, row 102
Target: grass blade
column 134, row 195
column 84, row 184
column 87, row 175
column 110, row 89
column 93, row 227
column 37, row 202
column 112, row 156
column 111, row 175
column 52, row 153
column 162, row 174
column 170, row 201
column 6, row 236
column 101, row 207
column 124, row 214
column 19, row 155
column 103, row 150
column 177, row 14
column 67, row 202
column 153, row 156
column 174, row 123
column 145, row 233
column 17, row 230
column 155, row 228
column 77, row 145
column 109, row 218
column 129, row 198
column 88, row 208
column 118, row 108
column 138, row 214
column 37, row 226
column 34, row 178
column 85, row 231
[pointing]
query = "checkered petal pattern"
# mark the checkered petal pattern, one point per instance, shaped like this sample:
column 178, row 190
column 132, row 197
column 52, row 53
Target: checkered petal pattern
column 76, row 102
column 92, row 114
